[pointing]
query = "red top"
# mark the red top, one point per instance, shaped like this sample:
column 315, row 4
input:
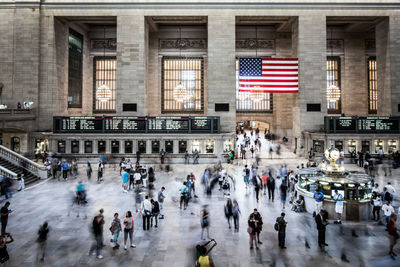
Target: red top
column 391, row 226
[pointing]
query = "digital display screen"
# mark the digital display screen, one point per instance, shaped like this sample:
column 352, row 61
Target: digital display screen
column 362, row 124
column 136, row 124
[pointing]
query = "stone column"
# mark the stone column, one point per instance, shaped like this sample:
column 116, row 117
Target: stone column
column 309, row 45
column 221, row 69
column 354, row 79
column 394, row 45
column 383, row 67
column 131, row 57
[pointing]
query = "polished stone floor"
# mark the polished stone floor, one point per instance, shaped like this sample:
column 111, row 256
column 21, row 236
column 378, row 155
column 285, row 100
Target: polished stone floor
column 173, row 242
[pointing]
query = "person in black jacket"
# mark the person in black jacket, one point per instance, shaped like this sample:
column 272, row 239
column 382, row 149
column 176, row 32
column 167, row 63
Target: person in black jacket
column 259, row 223
column 271, row 187
column 321, row 222
column 97, row 227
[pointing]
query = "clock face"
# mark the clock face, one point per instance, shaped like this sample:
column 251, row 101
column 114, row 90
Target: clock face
column 334, row 154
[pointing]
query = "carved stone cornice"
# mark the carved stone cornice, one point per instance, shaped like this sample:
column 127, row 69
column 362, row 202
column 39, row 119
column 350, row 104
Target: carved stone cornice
column 252, row 44
column 110, row 44
column 184, row 44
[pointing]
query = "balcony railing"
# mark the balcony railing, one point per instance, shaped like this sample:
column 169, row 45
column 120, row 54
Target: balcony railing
column 23, row 162
column 17, row 114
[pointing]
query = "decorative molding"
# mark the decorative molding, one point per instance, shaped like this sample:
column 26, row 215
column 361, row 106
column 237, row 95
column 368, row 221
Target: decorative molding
column 185, row 44
column 110, row 44
column 335, row 45
column 370, row 45
column 252, row 44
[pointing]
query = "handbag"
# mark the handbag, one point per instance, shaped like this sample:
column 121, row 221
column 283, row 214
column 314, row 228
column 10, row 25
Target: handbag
column 249, row 230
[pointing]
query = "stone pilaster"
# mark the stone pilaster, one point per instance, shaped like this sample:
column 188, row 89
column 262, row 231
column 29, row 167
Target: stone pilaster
column 309, row 44
column 131, row 55
column 221, row 68
column 394, row 44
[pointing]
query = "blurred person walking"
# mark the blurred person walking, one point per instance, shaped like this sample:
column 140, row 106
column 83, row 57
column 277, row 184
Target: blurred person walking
column 161, row 197
column 97, row 228
column 228, row 209
column 205, row 222
column 42, row 240
column 252, row 223
column 271, row 187
column 4, row 212
column 236, row 214
column 4, row 256
column 155, row 212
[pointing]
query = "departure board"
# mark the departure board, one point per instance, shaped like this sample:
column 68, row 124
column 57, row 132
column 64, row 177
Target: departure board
column 362, row 124
column 346, row 124
column 136, row 124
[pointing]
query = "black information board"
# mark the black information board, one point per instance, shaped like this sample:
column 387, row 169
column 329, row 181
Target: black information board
column 362, row 124
column 136, row 124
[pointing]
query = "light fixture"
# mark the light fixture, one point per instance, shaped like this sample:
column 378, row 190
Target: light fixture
column 180, row 93
column 103, row 92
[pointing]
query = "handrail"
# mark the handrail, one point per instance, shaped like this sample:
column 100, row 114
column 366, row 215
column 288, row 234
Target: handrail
column 23, row 162
column 4, row 171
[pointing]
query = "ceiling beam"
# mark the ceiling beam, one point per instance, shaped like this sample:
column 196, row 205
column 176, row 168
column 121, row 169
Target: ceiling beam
column 287, row 25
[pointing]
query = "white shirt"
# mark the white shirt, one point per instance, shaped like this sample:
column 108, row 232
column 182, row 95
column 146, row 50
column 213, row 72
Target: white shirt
column 378, row 202
column 390, row 188
column 387, row 210
column 339, row 200
column 137, row 176
column 376, row 189
column 146, row 205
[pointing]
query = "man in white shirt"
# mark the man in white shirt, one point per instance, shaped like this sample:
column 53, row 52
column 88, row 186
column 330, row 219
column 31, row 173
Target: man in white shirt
column 376, row 189
column 390, row 189
column 338, row 198
column 138, row 179
column 145, row 210
column 387, row 211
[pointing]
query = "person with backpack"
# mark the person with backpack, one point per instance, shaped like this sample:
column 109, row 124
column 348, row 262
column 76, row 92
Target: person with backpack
column 280, row 226
column 42, row 240
column 115, row 230
column 128, row 229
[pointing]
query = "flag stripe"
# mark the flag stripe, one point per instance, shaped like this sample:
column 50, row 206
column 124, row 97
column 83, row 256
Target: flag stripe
column 269, row 85
column 280, row 90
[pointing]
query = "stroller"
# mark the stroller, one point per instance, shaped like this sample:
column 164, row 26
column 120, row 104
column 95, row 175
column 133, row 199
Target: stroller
column 205, row 249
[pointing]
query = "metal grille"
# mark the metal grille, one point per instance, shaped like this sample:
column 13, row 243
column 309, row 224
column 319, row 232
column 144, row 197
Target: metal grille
column 75, row 41
column 189, row 71
column 333, row 78
column 245, row 103
column 104, row 72
column 372, row 86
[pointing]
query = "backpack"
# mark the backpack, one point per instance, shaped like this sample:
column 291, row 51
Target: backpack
column 276, row 226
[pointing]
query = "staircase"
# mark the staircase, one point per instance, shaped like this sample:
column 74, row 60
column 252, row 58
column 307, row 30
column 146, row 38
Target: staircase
column 17, row 164
column 29, row 178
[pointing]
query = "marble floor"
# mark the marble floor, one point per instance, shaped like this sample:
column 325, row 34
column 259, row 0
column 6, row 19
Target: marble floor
column 173, row 242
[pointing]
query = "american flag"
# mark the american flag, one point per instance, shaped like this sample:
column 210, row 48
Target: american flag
column 268, row 75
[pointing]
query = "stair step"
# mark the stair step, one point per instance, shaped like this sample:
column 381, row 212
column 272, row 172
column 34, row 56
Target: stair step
column 29, row 178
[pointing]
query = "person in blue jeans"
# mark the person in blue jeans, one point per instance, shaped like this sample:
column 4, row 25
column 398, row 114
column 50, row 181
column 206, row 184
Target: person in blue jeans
column 115, row 230
column 65, row 168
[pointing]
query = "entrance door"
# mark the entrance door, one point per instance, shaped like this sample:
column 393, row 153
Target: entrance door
column 15, row 144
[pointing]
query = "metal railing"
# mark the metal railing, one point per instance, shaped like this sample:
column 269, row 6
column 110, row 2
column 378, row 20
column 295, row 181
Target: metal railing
column 23, row 162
